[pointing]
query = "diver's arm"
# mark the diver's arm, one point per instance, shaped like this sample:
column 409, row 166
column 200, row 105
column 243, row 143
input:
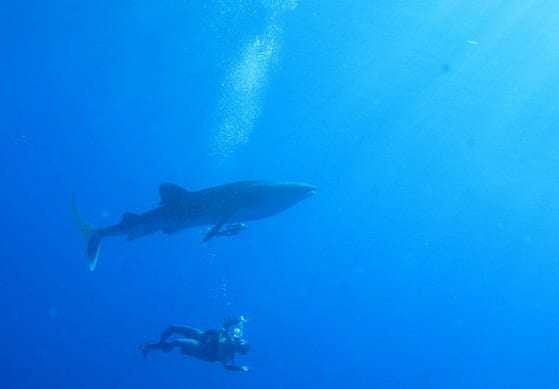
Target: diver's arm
column 232, row 321
column 228, row 364
column 244, row 368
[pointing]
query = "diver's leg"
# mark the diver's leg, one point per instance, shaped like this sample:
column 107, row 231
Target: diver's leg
column 187, row 332
column 186, row 346
column 156, row 346
column 189, row 347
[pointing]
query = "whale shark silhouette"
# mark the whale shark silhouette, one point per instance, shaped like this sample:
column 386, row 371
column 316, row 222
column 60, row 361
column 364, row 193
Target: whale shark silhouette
column 180, row 209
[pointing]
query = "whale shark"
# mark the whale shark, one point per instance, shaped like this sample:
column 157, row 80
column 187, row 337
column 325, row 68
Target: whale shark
column 230, row 204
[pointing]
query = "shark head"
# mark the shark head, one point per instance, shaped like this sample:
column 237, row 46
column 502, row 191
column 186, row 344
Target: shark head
column 269, row 198
column 293, row 192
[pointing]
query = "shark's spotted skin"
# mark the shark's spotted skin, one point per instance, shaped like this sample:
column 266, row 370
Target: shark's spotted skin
column 179, row 209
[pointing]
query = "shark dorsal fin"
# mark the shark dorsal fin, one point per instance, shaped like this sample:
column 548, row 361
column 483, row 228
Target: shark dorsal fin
column 171, row 193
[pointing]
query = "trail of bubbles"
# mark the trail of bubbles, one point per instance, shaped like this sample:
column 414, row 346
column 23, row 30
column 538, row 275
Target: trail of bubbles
column 239, row 105
column 280, row 5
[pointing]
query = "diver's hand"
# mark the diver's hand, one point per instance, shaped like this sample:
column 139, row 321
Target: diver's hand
column 243, row 368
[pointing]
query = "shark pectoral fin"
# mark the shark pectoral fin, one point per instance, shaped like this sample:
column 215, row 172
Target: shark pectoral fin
column 214, row 231
column 232, row 229
column 171, row 193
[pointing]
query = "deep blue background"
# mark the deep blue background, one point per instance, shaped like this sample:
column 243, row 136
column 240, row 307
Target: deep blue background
column 428, row 258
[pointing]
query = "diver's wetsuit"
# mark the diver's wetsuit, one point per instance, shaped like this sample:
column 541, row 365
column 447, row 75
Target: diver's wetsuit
column 210, row 345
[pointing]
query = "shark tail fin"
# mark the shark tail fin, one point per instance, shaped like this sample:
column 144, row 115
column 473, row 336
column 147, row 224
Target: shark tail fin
column 90, row 234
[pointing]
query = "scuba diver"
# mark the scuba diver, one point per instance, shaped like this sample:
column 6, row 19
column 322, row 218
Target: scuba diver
column 210, row 345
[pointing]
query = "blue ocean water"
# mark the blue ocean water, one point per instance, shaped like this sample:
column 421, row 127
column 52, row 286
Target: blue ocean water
column 427, row 258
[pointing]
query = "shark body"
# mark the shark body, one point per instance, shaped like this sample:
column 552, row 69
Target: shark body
column 180, row 209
